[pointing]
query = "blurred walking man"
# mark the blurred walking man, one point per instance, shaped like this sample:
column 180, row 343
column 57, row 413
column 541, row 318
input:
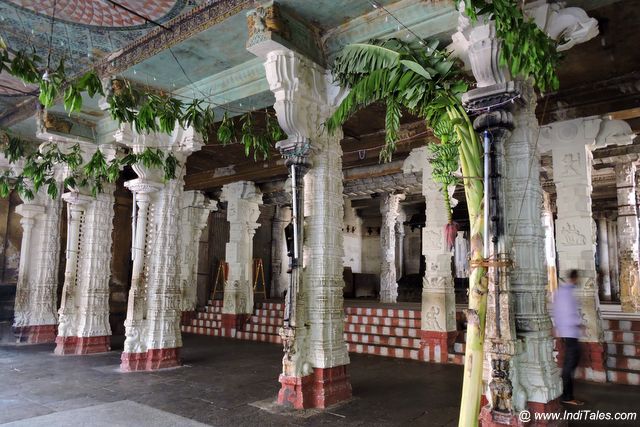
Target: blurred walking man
column 568, row 323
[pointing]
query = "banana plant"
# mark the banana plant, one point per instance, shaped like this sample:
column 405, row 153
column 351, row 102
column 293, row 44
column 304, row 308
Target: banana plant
column 420, row 78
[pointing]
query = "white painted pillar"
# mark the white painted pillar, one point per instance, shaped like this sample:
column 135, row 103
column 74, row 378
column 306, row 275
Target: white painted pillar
column 243, row 209
column 390, row 209
column 603, row 256
column 152, row 326
column 612, row 233
column 195, row 213
column 438, row 322
column 35, row 317
column 628, row 257
column 549, row 242
column 279, row 257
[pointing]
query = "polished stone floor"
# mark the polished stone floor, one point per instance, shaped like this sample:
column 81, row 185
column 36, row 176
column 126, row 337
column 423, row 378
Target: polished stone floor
column 221, row 380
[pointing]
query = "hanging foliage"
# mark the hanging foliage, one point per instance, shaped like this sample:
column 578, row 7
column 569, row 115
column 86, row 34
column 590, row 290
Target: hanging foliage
column 145, row 111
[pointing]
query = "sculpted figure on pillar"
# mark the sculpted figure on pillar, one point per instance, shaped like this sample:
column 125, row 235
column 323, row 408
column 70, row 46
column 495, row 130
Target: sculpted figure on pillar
column 154, row 307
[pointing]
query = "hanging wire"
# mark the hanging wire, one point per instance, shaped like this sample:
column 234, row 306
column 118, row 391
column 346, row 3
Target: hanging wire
column 377, row 5
column 53, row 18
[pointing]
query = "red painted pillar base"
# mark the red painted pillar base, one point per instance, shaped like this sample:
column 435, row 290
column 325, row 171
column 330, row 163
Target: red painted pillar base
column 592, row 365
column 531, row 418
column 434, row 346
column 36, row 334
column 151, row 360
column 82, row 345
column 187, row 317
column 233, row 322
column 323, row 388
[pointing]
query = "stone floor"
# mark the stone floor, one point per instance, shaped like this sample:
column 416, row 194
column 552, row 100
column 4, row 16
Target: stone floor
column 219, row 382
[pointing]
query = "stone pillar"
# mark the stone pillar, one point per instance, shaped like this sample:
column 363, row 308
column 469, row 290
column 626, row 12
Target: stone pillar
column 279, row 258
column 390, row 209
column 195, row 213
column 612, row 233
column 628, row 237
column 549, row 242
column 603, row 256
column 315, row 363
column 243, row 209
column 402, row 217
column 152, row 325
column 84, row 310
column 438, row 322
column 35, row 318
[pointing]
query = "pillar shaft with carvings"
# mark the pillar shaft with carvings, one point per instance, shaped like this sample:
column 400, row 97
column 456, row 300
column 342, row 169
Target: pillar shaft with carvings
column 279, row 257
column 438, row 322
column 315, row 362
column 612, row 233
column 603, row 257
column 243, row 209
column 154, row 308
column 35, row 317
column 549, row 242
column 390, row 209
column 628, row 237
column 195, row 213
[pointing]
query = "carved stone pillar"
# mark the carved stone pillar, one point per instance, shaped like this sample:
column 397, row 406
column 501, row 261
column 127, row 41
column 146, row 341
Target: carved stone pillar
column 628, row 237
column 402, row 216
column 438, row 323
column 603, row 257
column 84, row 311
column 154, row 307
column 571, row 143
column 390, row 209
column 243, row 209
column 279, row 258
column 612, row 226
column 549, row 242
column 35, row 318
column 315, row 363
column 195, row 213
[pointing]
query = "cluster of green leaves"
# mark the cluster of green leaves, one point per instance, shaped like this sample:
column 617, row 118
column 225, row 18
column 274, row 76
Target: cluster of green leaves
column 526, row 50
column 256, row 140
column 39, row 167
column 416, row 77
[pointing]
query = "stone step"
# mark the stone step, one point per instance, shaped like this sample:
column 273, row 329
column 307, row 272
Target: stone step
column 215, row 302
column 206, row 323
column 621, row 325
column 270, row 306
column 381, row 340
column 266, row 320
column 208, row 316
column 624, row 362
column 382, row 321
column 622, row 349
column 264, row 329
column 383, row 312
column 382, row 330
column 268, row 313
column 627, row 337
column 459, row 347
column 214, row 332
column 380, row 350
column 212, row 309
column 622, row 376
column 257, row 336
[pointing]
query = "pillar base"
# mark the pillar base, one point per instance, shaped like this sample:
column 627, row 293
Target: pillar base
column 434, row 345
column 323, row 388
column 82, row 345
column 36, row 334
column 592, row 365
column 530, row 419
column 151, row 360
column 187, row 317
column 232, row 323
